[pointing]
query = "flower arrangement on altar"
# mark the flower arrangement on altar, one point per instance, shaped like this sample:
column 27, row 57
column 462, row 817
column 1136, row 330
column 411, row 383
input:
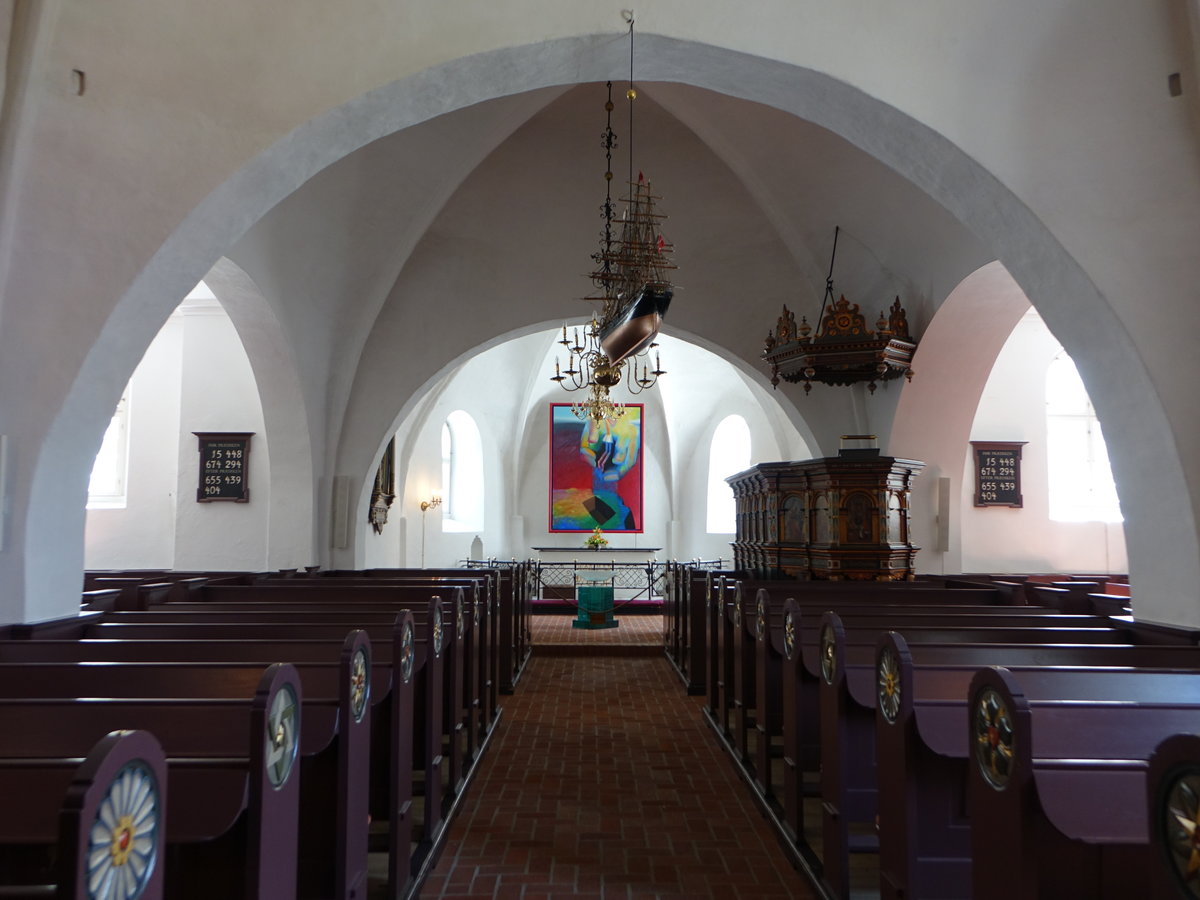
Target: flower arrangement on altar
column 596, row 539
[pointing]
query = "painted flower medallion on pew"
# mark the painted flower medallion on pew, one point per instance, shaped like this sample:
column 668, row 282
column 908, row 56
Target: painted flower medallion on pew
column 889, row 685
column 828, row 656
column 407, row 653
column 121, row 852
column 1183, row 829
column 282, row 735
column 360, row 685
column 994, row 739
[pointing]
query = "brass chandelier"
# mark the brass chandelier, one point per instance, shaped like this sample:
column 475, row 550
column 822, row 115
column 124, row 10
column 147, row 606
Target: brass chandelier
column 633, row 291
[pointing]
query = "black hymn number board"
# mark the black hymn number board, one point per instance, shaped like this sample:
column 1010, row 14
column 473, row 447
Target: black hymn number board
column 998, row 473
column 224, row 466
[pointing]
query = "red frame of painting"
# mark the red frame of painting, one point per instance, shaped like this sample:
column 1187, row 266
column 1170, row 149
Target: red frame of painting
column 569, row 471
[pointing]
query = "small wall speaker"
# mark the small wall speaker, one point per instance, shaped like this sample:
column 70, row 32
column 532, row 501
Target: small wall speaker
column 941, row 537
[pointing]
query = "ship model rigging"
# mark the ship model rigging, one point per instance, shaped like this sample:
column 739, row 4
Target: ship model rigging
column 633, row 290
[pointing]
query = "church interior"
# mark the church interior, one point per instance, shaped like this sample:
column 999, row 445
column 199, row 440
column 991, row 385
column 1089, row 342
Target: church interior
column 352, row 240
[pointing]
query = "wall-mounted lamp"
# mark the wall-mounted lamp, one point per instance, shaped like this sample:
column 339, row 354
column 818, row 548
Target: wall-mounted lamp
column 426, row 505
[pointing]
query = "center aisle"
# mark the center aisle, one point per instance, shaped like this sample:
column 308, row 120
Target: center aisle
column 604, row 782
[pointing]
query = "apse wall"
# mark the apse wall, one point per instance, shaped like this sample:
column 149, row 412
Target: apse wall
column 1013, row 408
column 506, row 389
column 195, row 376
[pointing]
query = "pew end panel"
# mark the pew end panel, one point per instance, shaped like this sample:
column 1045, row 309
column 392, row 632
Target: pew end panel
column 849, row 800
column 400, row 768
column 1173, row 811
column 1017, row 850
column 275, row 728
column 924, row 834
column 112, row 834
column 335, row 788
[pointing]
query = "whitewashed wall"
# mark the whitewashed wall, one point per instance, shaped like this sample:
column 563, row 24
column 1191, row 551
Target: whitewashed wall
column 507, row 390
column 999, row 539
column 194, row 377
column 142, row 535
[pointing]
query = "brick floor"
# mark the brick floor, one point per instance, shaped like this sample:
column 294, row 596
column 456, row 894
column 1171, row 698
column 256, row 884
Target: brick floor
column 638, row 630
column 603, row 782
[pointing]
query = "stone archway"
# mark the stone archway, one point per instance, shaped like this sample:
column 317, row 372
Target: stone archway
column 1164, row 551
column 291, row 538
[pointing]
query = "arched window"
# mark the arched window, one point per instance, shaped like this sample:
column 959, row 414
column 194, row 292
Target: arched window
column 728, row 454
column 462, row 473
column 107, row 486
column 1081, row 481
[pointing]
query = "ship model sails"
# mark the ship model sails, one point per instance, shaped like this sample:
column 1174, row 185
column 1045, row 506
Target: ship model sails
column 632, row 276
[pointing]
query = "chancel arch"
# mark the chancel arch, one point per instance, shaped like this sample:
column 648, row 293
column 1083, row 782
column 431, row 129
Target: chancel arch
column 681, row 414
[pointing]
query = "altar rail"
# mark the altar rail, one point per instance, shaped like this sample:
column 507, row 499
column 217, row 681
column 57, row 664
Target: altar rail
column 632, row 583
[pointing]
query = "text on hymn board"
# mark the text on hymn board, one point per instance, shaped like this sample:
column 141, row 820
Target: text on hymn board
column 224, row 466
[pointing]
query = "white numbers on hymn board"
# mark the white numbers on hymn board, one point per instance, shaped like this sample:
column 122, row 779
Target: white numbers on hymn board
column 998, row 467
column 224, row 466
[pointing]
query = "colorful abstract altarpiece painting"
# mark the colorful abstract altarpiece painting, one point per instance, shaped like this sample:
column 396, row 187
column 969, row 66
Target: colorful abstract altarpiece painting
column 596, row 471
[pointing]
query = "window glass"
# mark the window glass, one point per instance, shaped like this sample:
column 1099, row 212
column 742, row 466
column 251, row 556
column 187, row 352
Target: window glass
column 462, row 473
column 728, row 454
column 1081, row 482
column 106, row 487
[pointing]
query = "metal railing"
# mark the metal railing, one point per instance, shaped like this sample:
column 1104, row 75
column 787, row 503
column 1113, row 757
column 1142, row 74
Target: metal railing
column 631, row 581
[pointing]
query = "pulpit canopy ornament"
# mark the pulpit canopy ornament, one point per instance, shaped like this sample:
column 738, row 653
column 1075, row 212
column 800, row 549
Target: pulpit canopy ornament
column 843, row 351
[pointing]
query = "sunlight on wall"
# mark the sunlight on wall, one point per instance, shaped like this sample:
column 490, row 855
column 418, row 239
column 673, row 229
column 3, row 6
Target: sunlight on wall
column 462, row 473
column 728, row 454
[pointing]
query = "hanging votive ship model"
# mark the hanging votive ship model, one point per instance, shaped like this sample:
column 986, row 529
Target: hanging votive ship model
column 843, row 351
column 633, row 293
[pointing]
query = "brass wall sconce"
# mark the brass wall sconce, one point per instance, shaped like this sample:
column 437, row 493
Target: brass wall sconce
column 426, row 505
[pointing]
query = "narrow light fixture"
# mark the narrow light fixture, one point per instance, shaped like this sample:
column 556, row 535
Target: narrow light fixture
column 426, row 505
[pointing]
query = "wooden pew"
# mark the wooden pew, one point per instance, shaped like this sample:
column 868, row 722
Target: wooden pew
column 417, row 659
column 1173, row 811
column 334, row 776
column 476, row 645
column 922, row 749
column 1057, row 790
column 230, row 768
column 769, row 627
column 762, row 708
column 734, row 683
column 482, row 585
column 82, row 830
column 697, row 595
column 848, row 775
column 285, row 623
column 734, row 667
column 344, row 595
column 756, row 661
column 513, row 612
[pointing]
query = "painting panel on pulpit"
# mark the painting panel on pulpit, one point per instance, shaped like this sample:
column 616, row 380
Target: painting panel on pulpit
column 596, row 471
